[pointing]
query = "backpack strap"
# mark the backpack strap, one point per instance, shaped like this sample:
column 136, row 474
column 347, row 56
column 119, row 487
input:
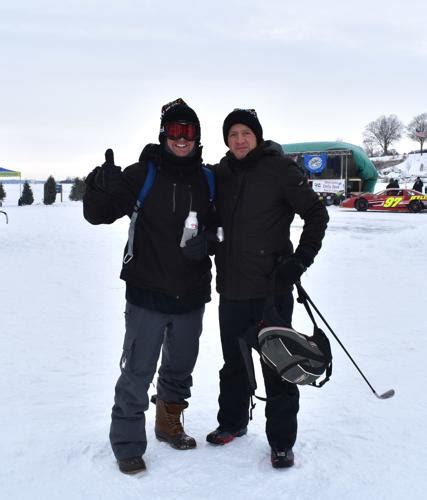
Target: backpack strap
column 148, row 183
column 145, row 189
column 210, row 178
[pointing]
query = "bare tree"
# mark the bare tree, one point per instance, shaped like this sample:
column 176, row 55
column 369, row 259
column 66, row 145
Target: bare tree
column 417, row 129
column 383, row 131
column 370, row 148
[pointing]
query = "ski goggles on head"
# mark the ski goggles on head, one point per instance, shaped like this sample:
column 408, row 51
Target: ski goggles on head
column 177, row 130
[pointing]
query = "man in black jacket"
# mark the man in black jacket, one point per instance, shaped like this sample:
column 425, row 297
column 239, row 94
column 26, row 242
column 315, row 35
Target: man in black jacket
column 167, row 285
column 418, row 185
column 259, row 191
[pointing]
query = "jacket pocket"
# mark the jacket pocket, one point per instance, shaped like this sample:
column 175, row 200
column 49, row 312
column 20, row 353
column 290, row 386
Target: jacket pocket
column 265, row 249
column 258, row 263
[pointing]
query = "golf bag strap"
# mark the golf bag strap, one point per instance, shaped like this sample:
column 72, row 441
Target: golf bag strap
column 328, row 374
column 246, row 344
column 246, row 352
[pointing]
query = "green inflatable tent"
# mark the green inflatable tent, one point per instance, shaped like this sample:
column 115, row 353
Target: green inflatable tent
column 351, row 161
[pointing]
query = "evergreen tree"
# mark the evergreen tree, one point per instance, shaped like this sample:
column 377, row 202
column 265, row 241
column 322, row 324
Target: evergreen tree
column 77, row 190
column 27, row 197
column 2, row 193
column 49, row 190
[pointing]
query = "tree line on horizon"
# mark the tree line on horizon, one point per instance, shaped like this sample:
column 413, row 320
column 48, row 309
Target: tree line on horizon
column 49, row 192
column 385, row 130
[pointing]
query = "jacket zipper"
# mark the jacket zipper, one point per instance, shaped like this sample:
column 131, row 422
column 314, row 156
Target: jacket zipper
column 173, row 198
column 232, row 242
column 191, row 197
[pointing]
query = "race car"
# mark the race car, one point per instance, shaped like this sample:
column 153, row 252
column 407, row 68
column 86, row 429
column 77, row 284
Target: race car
column 392, row 200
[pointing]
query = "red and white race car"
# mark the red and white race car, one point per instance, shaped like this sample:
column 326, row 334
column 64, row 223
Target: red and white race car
column 392, row 200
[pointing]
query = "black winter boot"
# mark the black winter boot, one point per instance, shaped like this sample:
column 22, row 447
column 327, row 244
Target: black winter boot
column 281, row 459
column 131, row 465
column 219, row 436
column 168, row 425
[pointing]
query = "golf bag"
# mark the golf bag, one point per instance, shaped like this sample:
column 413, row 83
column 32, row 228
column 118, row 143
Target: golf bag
column 295, row 357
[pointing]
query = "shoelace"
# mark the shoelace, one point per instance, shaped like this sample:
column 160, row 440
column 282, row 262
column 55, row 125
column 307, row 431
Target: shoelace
column 175, row 422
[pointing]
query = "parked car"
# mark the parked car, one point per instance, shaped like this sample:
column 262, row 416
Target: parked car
column 391, row 200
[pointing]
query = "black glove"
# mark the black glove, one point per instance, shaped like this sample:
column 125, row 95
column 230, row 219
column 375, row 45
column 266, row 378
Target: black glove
column 106, row 177
column 290, row 271
column 197, row 248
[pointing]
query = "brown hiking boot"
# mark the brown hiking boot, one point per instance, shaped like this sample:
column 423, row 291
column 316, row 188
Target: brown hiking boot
column 168, row 425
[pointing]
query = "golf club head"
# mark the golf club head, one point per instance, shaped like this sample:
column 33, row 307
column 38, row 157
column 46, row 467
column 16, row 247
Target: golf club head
column 388, row 394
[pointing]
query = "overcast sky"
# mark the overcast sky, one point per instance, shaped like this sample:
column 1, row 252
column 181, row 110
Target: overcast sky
column 81, row 76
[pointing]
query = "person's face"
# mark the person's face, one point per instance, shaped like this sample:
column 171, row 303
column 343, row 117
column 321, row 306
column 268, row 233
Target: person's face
column 180, row 147
column 241, row 140
column 181, row 137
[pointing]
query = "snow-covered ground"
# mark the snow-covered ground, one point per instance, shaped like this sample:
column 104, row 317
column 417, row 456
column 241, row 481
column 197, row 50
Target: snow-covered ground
column 61, row 312
column 412, row 166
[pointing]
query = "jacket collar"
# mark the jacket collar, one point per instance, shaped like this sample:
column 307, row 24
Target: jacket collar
column 266, row 148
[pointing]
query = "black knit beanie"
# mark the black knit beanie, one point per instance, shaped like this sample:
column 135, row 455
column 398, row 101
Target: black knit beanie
column 176, row 111
column 247, row 117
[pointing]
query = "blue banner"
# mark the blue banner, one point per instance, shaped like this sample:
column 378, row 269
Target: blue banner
column 315, row 163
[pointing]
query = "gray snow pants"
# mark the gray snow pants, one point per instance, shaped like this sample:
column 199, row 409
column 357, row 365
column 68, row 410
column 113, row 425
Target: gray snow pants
column 146, row 332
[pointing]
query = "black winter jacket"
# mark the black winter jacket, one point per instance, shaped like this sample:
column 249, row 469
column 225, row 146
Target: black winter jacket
column 159, row 276
column 418, row 186
column 257, row 199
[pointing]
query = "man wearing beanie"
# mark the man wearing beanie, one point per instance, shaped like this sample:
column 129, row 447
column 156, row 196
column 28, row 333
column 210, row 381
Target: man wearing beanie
column 167, row 281
column 259, row 191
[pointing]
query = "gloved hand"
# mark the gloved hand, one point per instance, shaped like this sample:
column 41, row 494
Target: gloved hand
column 106, row 177
column 290, row 270
column 197, row 248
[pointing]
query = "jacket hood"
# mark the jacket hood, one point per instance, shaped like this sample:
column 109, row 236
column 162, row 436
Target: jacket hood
column 272, row 148
column 150, row 152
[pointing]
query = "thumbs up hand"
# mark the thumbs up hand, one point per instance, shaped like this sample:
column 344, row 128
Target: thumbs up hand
column 108, row 175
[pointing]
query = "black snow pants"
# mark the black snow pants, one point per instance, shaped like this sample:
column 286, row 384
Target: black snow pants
column 235, row 317
column 147, row 332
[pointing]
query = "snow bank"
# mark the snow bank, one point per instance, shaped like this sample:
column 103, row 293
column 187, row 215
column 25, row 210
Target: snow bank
column 61, row 334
